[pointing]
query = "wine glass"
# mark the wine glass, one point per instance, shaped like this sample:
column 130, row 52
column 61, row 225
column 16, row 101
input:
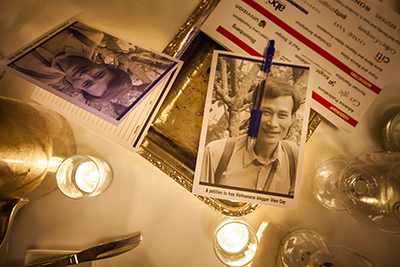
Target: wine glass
column 368, row 187
column 332, row 256
column 305, row 248
column 391, row 134
column 297, row 246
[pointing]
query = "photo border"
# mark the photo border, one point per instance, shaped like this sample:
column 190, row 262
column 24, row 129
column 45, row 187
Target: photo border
column 9, row 60
column 243, row 194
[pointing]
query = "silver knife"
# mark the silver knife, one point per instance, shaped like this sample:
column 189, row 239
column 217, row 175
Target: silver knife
column 103, row 251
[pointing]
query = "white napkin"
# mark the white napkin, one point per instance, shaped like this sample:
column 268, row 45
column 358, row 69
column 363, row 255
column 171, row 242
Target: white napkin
column 269, row 236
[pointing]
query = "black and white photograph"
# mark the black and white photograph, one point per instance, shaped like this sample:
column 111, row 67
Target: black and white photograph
column 268, row 172
column 92, row 69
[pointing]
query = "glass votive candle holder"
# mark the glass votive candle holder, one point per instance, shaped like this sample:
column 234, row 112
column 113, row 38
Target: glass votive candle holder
column 82, row 176
column 235, row 243
column 391, row 134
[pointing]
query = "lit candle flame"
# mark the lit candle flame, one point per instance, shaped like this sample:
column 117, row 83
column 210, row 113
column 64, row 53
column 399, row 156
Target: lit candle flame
column 233, row 237
column 87, row 176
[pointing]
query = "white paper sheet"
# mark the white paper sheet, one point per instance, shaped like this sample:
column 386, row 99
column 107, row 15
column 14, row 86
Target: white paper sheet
column 128, row 134
column 354, row 45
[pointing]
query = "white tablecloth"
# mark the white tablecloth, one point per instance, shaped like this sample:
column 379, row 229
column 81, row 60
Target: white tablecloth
column 177, row 228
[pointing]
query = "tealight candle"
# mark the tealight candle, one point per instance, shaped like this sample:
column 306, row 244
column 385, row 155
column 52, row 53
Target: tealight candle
column 87, row 176
column 233, row 237
column 83, row 176
column 235, row 243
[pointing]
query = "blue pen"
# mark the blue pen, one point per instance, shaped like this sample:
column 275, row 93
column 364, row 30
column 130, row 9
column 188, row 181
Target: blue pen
column 256, row 113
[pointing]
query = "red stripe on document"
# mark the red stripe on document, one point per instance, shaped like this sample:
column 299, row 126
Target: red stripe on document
column 334, row 109
column 237, row 41
column 313, row 46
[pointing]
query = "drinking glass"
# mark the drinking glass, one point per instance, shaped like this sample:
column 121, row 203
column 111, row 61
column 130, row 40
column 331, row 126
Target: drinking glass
column 297, row 246
column 332, row 256
column 305, row 248
column 368, row 187
column 82, row 176
column 391, row 134
column 235, row 242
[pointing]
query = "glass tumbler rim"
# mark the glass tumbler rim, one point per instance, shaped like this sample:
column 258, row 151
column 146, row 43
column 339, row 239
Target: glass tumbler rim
column 83, row 158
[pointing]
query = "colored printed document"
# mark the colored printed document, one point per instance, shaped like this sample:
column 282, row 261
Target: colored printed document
column 354, row 46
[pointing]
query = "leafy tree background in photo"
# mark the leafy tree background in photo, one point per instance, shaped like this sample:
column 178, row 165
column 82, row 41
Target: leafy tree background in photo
column 234, row 83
